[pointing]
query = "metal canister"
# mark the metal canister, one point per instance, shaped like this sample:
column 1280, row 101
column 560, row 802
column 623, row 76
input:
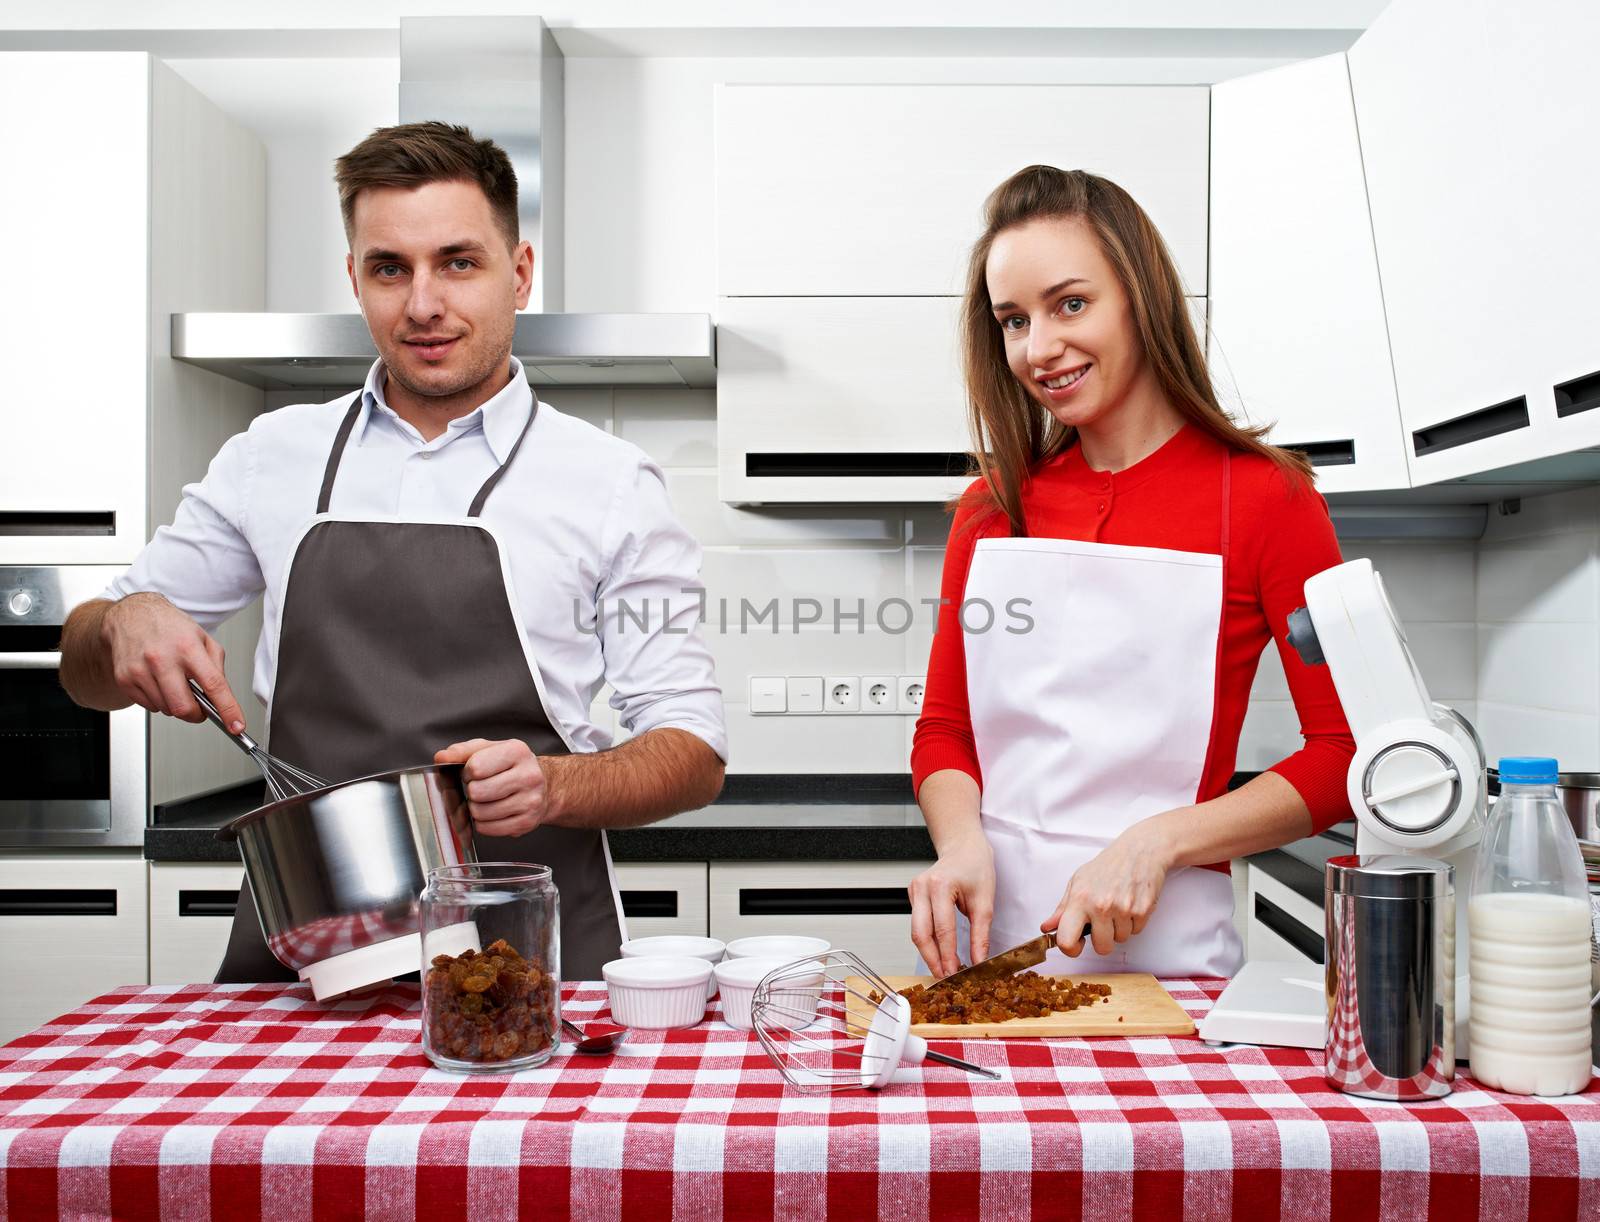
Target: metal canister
column 1391, row 981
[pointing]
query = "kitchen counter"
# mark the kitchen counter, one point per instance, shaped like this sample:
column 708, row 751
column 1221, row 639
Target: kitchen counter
column 213, row 1099
column 766, row 817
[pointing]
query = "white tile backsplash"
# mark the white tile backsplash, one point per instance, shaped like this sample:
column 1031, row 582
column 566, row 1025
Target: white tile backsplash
column 1509, row 729
column 819, row 742
column 1550, row 578
column 677, row 428
column 694, row 495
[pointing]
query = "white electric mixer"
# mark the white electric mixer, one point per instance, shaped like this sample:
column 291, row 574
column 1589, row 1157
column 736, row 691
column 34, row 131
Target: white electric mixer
column 1416, row 784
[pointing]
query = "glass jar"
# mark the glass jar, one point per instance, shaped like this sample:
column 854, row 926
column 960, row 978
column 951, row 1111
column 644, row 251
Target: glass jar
column 491, row 963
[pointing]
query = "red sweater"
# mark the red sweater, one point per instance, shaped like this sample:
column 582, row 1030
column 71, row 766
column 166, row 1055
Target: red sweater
column 1279, row 536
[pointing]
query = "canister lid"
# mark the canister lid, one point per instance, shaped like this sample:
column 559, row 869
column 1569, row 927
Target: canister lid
column 1389, row 876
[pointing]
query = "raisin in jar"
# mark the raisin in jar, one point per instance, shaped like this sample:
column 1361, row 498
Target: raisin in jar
column 491, row 963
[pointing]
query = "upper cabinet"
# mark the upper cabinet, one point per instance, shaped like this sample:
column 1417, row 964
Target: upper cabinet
column 1480, row 133
column 148, row 200
column 878, row 190
column 1297, row 337
column 845, row 214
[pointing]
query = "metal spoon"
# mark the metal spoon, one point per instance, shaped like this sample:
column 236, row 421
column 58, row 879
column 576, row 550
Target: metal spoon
column 594, row 1045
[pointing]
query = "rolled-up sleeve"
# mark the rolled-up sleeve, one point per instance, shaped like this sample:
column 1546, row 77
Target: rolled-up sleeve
column 651, row 599
column 202, row 563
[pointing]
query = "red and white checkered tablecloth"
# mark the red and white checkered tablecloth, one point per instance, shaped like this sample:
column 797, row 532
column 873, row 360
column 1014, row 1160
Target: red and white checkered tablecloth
column 255, row 1101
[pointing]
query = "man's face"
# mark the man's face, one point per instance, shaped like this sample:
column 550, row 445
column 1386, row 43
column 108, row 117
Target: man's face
column 438, row 285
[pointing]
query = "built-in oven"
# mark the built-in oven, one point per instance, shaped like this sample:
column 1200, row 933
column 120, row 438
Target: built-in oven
column 69, row 777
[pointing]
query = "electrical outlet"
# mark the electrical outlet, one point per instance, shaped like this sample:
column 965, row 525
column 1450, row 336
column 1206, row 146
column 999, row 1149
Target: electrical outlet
column 908, row 694
column 877, row 693
column 841, row 694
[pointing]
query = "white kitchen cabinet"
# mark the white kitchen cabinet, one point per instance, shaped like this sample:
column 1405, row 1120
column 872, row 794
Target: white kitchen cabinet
column 877, row 190
column 148, row 199
column 191, row 915
column 1297, row 336
column 663, row 897
column 857, row 906
column 72, row 926
column 1282, row 925
column 1479, row 131
column 855, row 399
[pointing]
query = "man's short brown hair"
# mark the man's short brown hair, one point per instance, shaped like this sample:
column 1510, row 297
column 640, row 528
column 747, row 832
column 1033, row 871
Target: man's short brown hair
column 411, row 155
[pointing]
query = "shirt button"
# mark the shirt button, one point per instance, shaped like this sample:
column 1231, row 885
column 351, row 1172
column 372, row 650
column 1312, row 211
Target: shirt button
column 424, row 454
column 1101, row 507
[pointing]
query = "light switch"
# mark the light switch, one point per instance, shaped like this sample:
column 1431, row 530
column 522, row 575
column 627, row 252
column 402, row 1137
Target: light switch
column 768, row 694
column 805, row 694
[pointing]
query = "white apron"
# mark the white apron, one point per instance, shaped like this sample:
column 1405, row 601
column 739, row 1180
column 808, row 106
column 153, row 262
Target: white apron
column 1096, row 718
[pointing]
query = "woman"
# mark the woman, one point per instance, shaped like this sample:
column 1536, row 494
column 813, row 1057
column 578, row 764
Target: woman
column 1124, row 558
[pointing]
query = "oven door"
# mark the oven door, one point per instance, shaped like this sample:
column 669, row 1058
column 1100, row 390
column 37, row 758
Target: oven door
column 69, row 777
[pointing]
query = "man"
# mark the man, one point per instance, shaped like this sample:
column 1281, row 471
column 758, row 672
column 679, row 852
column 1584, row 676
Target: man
column 445, row 562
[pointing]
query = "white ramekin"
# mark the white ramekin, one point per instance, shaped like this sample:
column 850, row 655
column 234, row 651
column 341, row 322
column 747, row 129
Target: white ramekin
column 777, row 946
column 678, row 946
column 657, row 992
column 737, row 980
column 792, row 996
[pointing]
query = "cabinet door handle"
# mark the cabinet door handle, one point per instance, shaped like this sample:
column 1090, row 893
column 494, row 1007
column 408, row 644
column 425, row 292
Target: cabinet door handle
column 1290, row 930
column 649, row 904
column 1340, row 453
column 883, row 464
column 1505, row 417
column 58, row 901
column 1579, row 395
column 824, row 901
column 207, row 903
column 57, row 522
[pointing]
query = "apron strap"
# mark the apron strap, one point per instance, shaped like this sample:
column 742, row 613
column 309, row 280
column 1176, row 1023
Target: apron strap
column 489, row 484
column 330, row 473
column 347, row 426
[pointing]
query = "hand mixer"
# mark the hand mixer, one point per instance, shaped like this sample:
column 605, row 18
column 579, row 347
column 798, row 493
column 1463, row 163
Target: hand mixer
column 283, row 779
column 831, row 1023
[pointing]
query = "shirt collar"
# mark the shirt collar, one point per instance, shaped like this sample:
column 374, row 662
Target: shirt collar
column 501, row 417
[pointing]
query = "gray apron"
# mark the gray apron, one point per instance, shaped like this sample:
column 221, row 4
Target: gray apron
column 398, row 639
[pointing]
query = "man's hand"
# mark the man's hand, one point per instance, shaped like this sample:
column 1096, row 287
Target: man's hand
column 507, row 791
column 154, row 649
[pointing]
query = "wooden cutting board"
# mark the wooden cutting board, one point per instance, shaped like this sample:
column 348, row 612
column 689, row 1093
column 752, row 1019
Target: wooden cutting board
column 1137, row 1006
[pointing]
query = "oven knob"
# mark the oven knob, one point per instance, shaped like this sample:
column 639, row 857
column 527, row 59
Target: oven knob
column 21, row 603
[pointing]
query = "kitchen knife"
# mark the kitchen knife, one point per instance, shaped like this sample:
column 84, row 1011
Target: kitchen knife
column 1007, row 962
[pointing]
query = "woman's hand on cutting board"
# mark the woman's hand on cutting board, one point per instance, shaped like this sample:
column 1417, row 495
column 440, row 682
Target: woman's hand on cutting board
column 962, row 878
column 507, row 792
column 1114, row 894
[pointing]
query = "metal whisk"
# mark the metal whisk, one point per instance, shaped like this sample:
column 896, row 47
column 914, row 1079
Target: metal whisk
column 832, row 1023
column 283, row 780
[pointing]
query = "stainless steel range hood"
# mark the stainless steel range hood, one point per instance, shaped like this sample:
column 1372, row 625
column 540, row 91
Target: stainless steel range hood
column 278, row 351
column 504, row 78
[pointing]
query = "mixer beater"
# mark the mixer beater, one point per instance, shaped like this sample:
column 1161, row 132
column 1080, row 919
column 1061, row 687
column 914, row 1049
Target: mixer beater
column 831, row 1023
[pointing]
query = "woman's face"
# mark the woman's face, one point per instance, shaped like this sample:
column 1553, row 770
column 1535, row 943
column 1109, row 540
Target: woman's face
column 1066, row 322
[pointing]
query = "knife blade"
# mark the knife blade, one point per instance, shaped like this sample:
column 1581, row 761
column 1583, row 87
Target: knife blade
column 1006, row 963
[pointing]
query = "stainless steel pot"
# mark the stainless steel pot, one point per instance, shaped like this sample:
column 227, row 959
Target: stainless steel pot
column 1580, row 795
column 338, row 871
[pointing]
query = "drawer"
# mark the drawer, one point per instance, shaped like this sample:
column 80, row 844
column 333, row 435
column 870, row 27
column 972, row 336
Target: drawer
column 191, row 915
column 857, row 906
column 1282, row 924
column 72, row 926
column 663, row 898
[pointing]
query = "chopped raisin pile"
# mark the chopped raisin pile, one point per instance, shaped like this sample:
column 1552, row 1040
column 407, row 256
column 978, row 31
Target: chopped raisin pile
column 1024, row 995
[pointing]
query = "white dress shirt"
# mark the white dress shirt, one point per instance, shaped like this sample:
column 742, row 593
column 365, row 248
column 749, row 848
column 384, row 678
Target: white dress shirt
column 584, row 516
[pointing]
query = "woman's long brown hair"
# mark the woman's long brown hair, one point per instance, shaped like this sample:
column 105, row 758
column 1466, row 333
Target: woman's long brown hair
column 1011, row 431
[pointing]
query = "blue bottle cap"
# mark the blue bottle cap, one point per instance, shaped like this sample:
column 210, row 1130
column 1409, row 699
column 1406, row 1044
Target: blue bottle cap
column 1527, row 770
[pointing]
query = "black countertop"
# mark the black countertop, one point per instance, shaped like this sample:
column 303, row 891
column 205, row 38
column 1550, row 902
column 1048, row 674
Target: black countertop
column 765, row 817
